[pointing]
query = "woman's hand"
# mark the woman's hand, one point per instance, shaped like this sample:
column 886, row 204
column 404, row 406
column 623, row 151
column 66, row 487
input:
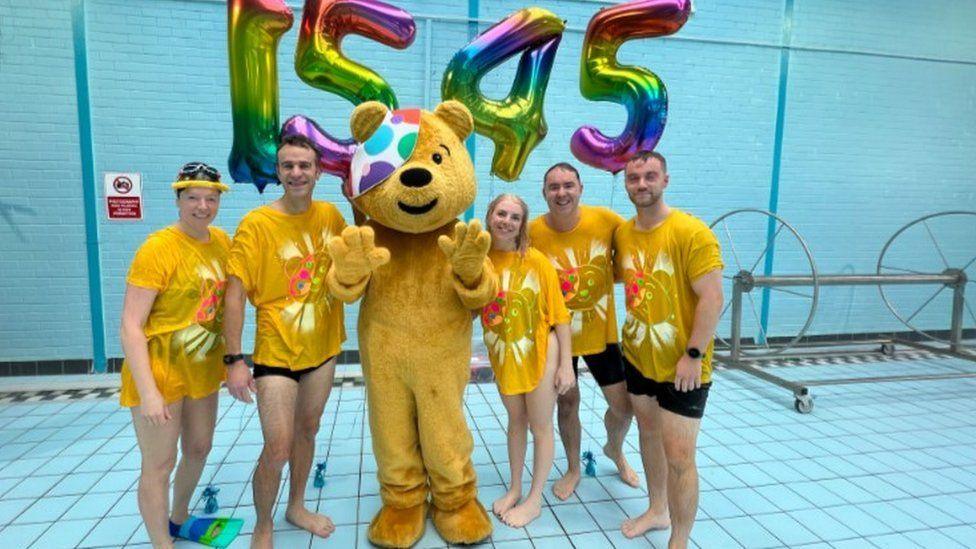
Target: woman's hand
column 565, row 378
column 153, row 408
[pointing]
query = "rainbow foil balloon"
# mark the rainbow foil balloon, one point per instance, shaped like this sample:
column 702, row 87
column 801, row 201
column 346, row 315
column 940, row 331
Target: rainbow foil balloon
column 516, row 123
column 638, row 89
column 254, row 28
column 319, row 60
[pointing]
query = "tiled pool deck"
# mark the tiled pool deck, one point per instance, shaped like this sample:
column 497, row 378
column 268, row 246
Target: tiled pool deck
column 874, row 465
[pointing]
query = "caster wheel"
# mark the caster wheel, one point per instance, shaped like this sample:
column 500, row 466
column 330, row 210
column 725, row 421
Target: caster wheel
column 803, row 404
column 888, row 349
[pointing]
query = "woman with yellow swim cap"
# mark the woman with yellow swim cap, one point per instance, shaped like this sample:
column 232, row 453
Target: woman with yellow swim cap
column 171, row 336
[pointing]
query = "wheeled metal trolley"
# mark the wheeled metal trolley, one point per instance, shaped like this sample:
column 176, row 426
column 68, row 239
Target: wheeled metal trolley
column 743, row 356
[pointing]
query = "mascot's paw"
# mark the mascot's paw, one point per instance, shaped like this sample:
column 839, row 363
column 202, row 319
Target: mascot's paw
column 393, row 527
column 355, row 254
column 468, row 523
column 467, row 250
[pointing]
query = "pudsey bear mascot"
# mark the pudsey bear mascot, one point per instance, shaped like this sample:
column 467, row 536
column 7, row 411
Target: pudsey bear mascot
column 420, row 273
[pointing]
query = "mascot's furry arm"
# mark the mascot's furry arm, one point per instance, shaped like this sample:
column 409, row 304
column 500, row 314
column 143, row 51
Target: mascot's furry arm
column 471, row 273
column 354, row 259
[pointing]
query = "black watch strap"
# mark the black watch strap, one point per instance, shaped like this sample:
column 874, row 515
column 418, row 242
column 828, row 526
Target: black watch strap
column 230, row 359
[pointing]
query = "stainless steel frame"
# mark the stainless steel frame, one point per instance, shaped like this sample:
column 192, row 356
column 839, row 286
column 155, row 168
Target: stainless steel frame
column 744, row 283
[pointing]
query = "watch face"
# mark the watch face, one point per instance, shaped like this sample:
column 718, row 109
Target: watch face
column 694, row 352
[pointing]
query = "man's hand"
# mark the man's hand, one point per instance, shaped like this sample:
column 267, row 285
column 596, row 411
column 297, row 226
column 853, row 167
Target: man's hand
column 467, row 250
column 355, row 255
column 688, row 374
column 240, row 384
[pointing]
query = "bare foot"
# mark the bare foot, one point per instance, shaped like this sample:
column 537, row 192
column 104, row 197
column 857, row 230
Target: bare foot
column 262, row 536
column 627, row 474
column 506, row 502
column 631, row 528
column 564, row 487
column 319, row 525
column 522, row 514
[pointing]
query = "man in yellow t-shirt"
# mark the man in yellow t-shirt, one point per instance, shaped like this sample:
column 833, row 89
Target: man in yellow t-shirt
column 578, row 241
column 279, row 259
column 671, row 268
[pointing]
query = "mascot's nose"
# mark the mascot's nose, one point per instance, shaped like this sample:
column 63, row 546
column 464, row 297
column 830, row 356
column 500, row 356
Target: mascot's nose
column 415, row 177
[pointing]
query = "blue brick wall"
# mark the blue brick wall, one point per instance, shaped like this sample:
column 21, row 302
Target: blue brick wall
column 44, row 310
column 871, row 139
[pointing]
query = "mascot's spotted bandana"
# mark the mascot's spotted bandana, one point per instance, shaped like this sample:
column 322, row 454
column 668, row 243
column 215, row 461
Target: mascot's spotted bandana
column 387, row 149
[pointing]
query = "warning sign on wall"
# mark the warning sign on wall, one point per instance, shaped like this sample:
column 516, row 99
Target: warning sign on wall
column 123, row 195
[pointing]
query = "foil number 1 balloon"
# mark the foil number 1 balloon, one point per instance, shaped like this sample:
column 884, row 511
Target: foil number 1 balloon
column 640, row 90
column 254, row 30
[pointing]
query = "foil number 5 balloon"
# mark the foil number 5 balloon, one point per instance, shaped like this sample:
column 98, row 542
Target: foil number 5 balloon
column 602, row 78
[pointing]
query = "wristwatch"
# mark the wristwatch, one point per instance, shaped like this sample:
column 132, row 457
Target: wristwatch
column 230, row 359
column 694, row 352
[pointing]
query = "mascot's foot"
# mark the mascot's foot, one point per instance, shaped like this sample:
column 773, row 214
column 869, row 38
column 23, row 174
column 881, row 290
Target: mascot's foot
column 393, row 527
column 467, row 524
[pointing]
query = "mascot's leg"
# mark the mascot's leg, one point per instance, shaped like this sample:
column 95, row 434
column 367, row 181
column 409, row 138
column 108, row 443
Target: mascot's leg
column 400, row 469
column 446, row 444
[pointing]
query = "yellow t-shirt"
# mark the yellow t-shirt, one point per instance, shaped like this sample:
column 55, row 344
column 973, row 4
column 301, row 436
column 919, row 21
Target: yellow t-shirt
column 658, row 268
column 184, row 327
column 516, row 322
column 281, row 260
column 583, row 261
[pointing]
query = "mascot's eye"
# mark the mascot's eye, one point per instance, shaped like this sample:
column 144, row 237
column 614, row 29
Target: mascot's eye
column 437, row 158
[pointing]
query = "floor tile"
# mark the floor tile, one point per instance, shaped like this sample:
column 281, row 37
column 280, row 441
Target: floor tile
column 822, row 524
column 748, row 532
column 21, row 535
column 894, row 541
column 861, row 522
column 546, row 525
column 65, row 534
column 46, row 509
column 575, row 519
column 113, row 531
column 707, row 533
column 786, row 529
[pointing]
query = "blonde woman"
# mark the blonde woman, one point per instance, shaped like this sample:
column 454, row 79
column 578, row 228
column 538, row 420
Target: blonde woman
column 527, row 333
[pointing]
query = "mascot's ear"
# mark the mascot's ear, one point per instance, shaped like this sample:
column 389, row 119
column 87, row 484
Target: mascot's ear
column 457, row 116
column 365, row 119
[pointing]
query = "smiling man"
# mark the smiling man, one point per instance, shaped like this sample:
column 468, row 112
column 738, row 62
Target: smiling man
column 279, row 258
column 578, row 241
column 671, row 267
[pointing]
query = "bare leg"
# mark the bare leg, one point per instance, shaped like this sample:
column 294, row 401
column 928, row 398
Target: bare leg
column 617, row 420
column 158, row 447
column 276, row 409
column 196, row 438
column 313, row 392
column 539, row 404
column 656, row 517
column 571, row 433
column 680, row 438
column 517, row 434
